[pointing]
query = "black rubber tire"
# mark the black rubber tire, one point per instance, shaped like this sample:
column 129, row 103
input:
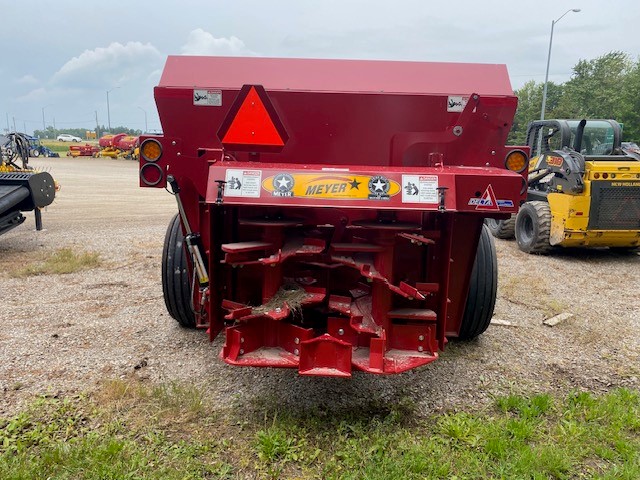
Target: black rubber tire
column 483, row 289
column 35, row 153
column 176, row 278
column 503, row 229
column 533, row 227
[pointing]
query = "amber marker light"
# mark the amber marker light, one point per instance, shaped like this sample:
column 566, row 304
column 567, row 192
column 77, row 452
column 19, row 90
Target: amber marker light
column 516, row 161
column 151, row 150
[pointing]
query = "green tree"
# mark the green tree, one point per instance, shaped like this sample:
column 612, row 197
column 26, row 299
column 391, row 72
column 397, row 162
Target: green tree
column 596, row 87
column 605, row 87
column 630, row 109
column 530, row 106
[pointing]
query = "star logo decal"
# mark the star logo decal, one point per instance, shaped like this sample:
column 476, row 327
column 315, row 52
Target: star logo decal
column 379, row 185
column 283, row 184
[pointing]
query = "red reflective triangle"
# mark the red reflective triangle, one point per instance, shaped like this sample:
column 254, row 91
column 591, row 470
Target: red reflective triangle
column 488, row 200
column 253, row 124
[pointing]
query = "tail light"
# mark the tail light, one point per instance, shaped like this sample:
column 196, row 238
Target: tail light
column 516, row 161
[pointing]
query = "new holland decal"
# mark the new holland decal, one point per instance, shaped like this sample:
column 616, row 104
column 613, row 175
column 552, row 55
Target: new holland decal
column 331, row 186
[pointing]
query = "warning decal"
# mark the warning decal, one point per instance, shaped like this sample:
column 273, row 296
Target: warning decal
column 209, row 98
column 243, row 183
column 420, row 189
column 456, row 103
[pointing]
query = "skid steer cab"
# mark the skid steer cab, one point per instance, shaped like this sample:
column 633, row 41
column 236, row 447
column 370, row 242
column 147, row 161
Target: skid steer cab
column 330, row 212
column 583, row 189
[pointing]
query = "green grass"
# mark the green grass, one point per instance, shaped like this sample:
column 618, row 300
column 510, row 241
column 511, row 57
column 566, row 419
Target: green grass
column 130, row 430
column 65, row 260
column 63, row 147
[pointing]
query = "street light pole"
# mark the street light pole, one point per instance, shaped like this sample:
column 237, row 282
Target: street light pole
column 44, row 127
column 146, row 129
column 546, row 76
column 108, row 111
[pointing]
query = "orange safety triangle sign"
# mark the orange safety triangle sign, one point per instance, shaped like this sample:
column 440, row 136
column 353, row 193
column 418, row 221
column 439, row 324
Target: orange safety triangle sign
column 252, row 123
column 488, row 200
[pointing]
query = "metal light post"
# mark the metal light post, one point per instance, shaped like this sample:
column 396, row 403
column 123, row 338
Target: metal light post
column 146, row 129
column 546, row 76
column 108, row 111
column 44, row 127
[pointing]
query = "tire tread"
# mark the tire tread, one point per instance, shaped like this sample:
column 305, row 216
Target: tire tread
column 176, row 286
column 483, row 288
column 540, row 214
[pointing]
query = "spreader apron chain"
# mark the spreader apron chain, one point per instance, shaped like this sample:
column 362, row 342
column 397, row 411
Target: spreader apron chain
column 194, row 245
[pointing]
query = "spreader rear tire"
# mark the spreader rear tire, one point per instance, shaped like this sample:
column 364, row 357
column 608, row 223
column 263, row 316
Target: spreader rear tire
column 503, row 229
column 483, row 289
column 533, row 227
column 176, row 282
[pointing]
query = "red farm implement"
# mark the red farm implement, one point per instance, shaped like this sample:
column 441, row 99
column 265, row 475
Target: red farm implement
column 331, row 212
column 118, row 145
column 86, row 150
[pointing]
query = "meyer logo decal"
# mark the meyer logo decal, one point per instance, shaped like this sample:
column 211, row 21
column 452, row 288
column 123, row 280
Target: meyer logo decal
column 334, row 187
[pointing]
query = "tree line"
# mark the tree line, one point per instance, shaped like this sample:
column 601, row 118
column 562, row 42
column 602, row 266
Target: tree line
column 606, row 87
column 51, row 132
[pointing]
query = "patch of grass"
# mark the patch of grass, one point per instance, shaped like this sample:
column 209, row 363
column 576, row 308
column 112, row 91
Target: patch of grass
column 133, row 430
column 68, row 440
column 65, row 260
column 554, row 307
column 63, row 147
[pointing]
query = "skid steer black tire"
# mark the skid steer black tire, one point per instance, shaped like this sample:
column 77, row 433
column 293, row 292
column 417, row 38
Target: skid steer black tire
column 483, row 289
column 176, row 281
column 503, row 229
column 533, row 227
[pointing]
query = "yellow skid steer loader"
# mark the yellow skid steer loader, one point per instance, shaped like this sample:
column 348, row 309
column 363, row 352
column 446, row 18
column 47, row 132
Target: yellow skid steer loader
column 583, row 188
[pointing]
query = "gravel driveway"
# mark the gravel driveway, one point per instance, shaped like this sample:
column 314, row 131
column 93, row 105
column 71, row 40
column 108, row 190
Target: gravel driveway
column 66, row 333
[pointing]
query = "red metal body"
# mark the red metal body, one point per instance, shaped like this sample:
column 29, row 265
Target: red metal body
column 341, row 216
column 82, row 150
column 126, row 142
column 111, row 140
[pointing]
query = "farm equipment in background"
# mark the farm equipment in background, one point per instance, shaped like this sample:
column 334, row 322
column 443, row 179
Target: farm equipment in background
column 36, row 149
column 118, row 145
column 21, row 188
column 129, row 147
column 109, row 145
column 583, row 188
column 330, row 212
column 86, row 150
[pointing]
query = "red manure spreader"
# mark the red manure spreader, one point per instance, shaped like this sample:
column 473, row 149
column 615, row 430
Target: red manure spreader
column 331, row 211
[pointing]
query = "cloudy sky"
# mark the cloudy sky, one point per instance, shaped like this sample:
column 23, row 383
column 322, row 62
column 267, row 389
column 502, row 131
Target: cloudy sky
column 62, row 57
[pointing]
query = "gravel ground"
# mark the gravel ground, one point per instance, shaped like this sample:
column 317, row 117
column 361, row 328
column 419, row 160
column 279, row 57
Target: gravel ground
column 64, row 334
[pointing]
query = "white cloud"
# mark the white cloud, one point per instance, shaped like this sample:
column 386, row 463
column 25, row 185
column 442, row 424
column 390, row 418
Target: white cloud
column 27, row 80
column 154, row 76
column 33, row 95
column 203, row 43
column 107, row 66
